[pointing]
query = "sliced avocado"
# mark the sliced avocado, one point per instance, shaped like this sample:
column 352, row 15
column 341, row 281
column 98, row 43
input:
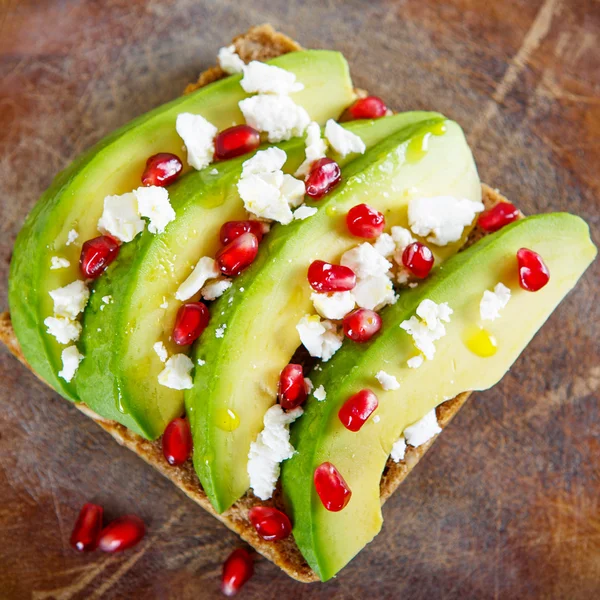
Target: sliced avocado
column 119, row 377
column 329, row 540
column 114, row 166
column 252, row 334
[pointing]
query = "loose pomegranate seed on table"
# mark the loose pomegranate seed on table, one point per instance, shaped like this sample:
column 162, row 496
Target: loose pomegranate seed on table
column 237, row 569
column 325, row 277
column 324, row 175
column 235, row 141
column 97, row 254
column 191, row 320
column 357, row 409
column 238, row 255
column 162, row 169
column 498, row 216
column 331, row 488
column 365, row 222
column 292, row 387
column 177, row 441
column 371, row 107
column 533, row 272
column 418, row 259
column 271, row 524
column 121, row 534
column 233, row 229
column 361, row 325
column 88, row 526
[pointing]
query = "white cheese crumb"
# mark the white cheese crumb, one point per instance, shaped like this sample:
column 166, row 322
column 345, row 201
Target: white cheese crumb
column 343, row 141
column 272, row 446
column 205, row 269
column 293, row 190
column 402, row 237
column 398, row 450
column 72, row 237
column 201, row 362
column 315, row 149
column 374, row 292
column 264, row 161
column 304, row 212
column 63, row 329
column 107, row 299
column 154, row 204
column 427, row 326
column 365, row 261
column 320, row 338
column 493, row 302
column 229, row 60
column 57, row 262
column 376, row 419
column 320, row 394
column 423, row 430
column 335, row 305
column 220, row 331
column 70, row 360
column 385, row 245
column 415, row 362
column 198, row 136
column 309, row 385
column 71, row 299
column 161, row 351
column 177, row 373
column 121, row 218
column 268, row 79
column 215, row 289
column 165, row 303
column 388, row 382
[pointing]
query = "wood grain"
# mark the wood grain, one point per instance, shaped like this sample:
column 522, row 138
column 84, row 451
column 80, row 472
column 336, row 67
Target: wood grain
column 505, row 505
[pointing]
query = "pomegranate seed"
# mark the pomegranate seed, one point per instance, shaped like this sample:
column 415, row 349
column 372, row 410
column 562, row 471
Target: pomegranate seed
column 325, row 277
column 331, row 487
column 292, row 389
column 235, row 141
column 271, row 524
column 418, row 259
column 533, row 272
column 191, row 320
column 361, row 325
column 123, row 533
column 87, row 528
column 237, row 569
column 97, row 254
column 371, row 107
column 238, row 254
column 233, row 229
column 162, row 169
column 177, row 442
column 324, row 175
column 365, row 222
column 357, row 409
column 498, row 216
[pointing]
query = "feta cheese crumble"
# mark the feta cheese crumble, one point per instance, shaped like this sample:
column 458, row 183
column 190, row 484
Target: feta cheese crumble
column 423, row 430
column 198, row 136
column 320, row 394
column 205, row 269
column 121, row 218
column 343, row 141
column 161, row 351
column 107, row 299
column 415, row 362
column 57, row 262
column 264, row 161
column 385, row 245
column 70, row 359
column 304, row 212
column 398, row 449
column 427, row 327
column 320, row 338
column 388, row 382
column 230, row 61
column 493, row 302
column 335, row 305
column 154, row 204
column 365, row 261
column 261, row 78
column 177, row 373
column 71, row 299
column 315, row 149
column 72, row 237
column 215, row 289
column 63, row 329
column 220, row 331
column 309, row 385
column 374, row 292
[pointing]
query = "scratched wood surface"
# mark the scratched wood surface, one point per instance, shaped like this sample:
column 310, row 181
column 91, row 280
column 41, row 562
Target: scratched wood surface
column 506, row 503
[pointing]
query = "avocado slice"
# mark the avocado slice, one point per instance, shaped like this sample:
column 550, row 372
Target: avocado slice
column 114, row 166
column 119, row 378
column 252, row 334
column 329, row 540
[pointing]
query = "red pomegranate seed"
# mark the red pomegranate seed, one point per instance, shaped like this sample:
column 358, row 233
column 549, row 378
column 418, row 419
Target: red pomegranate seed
column 87, row 528
column 123, row 533
column 361, row 325
column 533, row 272
column 238, row 254
column 177, row 442
column 271, row 524
column 418, row 259
column 324, row 175
column 191, row 320
column 498, row 216
column 235, row 141
column 292, row 389
column 97, row 254
column 162, row 169
column 365, row 222
column 233, row 229
column 237, row 569
column 325, row 277
column 357, row 409
column 331, row 487
column 371, row 107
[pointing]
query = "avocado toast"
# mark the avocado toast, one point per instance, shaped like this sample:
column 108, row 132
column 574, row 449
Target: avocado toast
column 283, row 552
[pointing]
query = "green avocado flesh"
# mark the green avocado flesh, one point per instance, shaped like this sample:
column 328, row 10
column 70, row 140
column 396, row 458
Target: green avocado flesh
column 252, row 334
column 114, row 166
column 329, row 540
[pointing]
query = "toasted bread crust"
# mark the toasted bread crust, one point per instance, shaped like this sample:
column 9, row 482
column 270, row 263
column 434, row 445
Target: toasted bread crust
column 259, row 43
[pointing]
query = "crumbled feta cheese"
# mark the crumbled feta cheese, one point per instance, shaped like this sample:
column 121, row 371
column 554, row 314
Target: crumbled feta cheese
column 402, row 237
column 205, row 269
column 423, row 430
column 304, row 212
column 154, row 204
column 365, row 261
column 343, row 141
column 320, row 338
column 320, row 394
column 107, row 299
column 272, row 446
column 71, row 299
column 374, row 292
column 121, row 218
column 264, row 161
column 376, row 419
column 220, row 331
column 427, row 326
column 198, row 135
column 388, row 382
column 385, row 245
column 177, row 373
column 415, row 362
column 161, row 351
column 63, row 329
column 398, row 450
column 260, row 78
column 57, row 262
column 293, row 190
column 70, row 360
column 315, row 149
column 493, row 302
column 72, row 237
column 165, row 303
column 309, row 385
column 215, row 289
column 442, row 218
column 229, row 60
column 279, row 116
column 335, row 305
column 201, row 362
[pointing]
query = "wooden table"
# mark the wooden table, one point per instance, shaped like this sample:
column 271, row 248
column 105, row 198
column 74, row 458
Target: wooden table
column 506, row 503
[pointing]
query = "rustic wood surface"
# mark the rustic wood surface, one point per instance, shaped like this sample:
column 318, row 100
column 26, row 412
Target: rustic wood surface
column 506, row 503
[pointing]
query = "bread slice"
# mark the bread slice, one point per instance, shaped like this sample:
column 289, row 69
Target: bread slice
column 259, row 43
